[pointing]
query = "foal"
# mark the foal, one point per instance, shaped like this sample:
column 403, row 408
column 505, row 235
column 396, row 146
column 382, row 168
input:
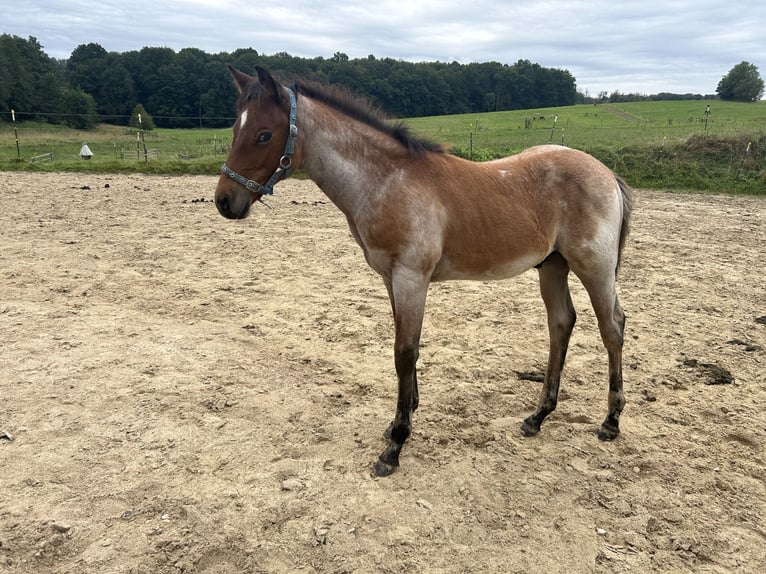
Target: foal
column 422, row 215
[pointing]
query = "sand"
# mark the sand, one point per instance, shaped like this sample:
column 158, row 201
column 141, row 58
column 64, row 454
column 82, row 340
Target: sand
column 184, row 393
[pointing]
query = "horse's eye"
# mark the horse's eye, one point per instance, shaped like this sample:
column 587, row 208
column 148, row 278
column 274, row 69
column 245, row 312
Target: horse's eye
column 263, row 137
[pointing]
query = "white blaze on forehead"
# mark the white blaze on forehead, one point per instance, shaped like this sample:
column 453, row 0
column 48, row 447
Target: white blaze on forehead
column 243, row 119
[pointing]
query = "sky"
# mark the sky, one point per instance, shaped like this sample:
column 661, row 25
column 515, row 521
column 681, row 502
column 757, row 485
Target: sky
column 614, row 45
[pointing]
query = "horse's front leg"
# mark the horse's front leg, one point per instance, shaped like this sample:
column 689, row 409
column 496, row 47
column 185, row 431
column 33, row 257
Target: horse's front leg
column 408, row 291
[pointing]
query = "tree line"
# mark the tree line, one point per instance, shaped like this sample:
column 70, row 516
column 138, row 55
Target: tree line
column 191, row 88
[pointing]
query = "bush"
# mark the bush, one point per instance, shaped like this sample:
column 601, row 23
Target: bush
column 146, row 123
column 704, row 163
column 79, row 108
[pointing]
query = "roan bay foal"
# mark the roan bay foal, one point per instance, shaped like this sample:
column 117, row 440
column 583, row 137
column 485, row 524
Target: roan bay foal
column 422, row 215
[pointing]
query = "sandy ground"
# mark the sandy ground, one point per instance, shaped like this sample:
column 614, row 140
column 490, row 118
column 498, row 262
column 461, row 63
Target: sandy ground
column 183, row 393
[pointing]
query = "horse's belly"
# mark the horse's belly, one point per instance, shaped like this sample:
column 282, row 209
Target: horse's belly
column 473, row 269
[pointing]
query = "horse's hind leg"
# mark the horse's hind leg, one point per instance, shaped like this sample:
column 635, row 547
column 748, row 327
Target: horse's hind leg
column 554, row 289
column 611, row 324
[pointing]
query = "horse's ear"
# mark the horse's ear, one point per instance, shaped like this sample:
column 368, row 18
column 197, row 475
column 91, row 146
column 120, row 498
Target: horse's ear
column 268, row 82
column 241, row 80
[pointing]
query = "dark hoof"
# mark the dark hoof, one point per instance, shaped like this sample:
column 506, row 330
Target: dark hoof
column 607, row 433
column 383, row 468
column 529, row 428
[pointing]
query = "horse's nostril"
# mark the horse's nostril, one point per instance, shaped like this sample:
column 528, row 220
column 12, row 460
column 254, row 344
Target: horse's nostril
column 222, row 203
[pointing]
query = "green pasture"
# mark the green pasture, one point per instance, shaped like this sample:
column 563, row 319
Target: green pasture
column 654, row 144
column 115, row 149
column 657, row 145
column 594, row 126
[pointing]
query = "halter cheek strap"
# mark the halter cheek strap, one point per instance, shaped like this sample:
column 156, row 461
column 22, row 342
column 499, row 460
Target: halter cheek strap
column 285, row 167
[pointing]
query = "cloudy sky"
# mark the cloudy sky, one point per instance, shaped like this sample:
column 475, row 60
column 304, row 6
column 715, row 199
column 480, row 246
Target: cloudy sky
column 626, row 45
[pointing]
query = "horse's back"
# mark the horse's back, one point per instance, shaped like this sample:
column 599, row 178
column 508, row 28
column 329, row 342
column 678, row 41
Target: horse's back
column 544, row 165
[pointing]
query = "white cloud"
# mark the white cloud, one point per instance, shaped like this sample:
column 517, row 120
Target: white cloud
column 630, row 46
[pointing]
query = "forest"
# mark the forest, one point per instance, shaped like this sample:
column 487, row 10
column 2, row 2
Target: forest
column 191, row 88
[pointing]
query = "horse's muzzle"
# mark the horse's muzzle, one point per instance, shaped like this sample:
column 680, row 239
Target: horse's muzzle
column 234, row 203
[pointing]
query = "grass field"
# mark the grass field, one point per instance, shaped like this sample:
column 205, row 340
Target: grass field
column 666, row 144
column 115, row 148
column 601, row 126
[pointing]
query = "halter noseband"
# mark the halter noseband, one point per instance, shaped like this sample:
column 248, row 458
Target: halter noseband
column 285, row 166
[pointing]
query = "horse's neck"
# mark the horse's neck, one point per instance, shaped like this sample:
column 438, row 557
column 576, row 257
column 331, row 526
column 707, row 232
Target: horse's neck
column 345, row 158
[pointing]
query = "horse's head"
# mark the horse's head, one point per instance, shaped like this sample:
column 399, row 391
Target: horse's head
column 262, row 146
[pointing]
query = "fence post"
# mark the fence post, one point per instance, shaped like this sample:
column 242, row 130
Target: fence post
column 555, row 119
column 16, row 135
column 143, row 141
column 744, row 157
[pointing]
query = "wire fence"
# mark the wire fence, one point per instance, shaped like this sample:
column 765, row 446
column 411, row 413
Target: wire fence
column 201, row 121
column 55, row 144
column 729, row 150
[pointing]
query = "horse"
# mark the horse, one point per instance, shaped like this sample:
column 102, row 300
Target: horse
column 420, row 215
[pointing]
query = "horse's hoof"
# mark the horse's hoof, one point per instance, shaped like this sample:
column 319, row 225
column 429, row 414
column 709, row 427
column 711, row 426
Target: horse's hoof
column 529, row 429
column 608, row 433
column 383, row 468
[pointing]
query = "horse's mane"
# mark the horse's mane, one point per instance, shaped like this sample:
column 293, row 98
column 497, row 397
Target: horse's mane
column 360, row 110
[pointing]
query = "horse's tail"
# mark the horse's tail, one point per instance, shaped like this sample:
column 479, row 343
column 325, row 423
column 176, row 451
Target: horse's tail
column 627, row 208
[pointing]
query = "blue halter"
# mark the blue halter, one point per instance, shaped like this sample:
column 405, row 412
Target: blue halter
column 285, row 167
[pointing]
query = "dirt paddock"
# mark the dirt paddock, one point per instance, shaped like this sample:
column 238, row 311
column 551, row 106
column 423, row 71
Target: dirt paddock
column 183, row 393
